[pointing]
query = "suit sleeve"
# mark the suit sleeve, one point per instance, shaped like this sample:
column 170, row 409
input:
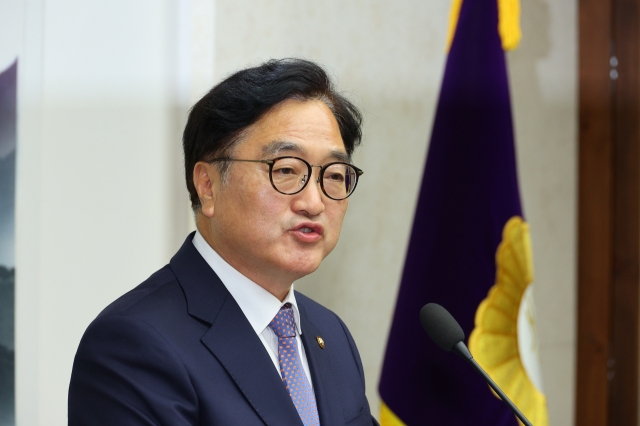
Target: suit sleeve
column 126, row 373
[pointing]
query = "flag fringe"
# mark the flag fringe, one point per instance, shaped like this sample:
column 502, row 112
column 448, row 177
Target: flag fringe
column 508, row 23
column 453, row 21
column 388, row 417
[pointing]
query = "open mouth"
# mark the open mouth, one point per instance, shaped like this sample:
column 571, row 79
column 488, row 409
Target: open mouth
column 309, row 231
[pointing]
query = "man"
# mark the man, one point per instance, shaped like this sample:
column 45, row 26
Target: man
column 218, row 336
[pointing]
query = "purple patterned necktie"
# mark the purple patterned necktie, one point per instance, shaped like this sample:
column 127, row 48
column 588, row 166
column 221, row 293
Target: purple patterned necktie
column 293, row 374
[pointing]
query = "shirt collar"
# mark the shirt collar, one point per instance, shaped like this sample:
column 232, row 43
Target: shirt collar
column 257, row 304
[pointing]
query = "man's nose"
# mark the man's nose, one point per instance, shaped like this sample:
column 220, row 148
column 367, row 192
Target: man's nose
column 310, row 199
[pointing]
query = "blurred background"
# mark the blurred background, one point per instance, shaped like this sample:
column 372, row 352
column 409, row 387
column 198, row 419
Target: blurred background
column 100, row 201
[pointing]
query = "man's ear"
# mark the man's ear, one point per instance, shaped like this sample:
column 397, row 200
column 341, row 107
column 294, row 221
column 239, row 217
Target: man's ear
column 204, row 176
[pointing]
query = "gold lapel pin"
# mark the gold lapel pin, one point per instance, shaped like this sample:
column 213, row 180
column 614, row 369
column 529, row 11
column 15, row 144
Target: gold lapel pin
column 320, row 342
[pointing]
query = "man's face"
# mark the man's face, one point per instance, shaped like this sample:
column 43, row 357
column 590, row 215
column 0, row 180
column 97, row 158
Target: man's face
column 270, row 237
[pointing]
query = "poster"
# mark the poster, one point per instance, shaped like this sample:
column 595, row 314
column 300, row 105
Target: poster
column 8, row 138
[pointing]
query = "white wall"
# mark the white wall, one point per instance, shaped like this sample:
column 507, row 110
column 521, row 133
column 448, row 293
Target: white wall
column 100, row 201
column 543, row 73
column 94, row 216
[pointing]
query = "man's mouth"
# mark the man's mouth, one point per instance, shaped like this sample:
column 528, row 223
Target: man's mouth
column 309, row 230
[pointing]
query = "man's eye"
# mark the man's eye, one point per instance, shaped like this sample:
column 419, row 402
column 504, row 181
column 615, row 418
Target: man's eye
column 334, row 177
column 285, row 171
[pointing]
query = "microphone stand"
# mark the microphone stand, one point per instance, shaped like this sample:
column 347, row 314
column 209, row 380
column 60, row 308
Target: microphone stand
column 461, row 349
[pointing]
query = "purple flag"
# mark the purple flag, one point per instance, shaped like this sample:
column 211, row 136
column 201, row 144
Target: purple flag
column 469, row 192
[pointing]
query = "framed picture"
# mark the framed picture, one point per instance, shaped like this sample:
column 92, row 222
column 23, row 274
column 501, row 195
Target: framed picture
column 8, row 141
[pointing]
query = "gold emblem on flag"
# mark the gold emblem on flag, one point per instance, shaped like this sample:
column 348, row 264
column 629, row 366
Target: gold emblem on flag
column 504, row 341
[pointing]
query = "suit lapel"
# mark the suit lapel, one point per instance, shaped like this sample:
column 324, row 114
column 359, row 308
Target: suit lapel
column 329, row 405
column 231, row 339
column 236, row 345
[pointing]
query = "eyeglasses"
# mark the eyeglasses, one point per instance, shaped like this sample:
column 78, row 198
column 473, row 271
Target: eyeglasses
column 290, row 175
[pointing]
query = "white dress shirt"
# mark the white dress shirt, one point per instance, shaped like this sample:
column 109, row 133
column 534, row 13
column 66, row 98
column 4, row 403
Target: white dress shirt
column 257, row 304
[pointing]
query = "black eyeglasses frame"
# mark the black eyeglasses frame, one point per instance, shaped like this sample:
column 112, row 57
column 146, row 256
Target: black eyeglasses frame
column 309, row 167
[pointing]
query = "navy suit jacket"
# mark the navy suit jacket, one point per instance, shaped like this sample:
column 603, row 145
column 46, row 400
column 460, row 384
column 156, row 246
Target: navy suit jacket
column 177, row 350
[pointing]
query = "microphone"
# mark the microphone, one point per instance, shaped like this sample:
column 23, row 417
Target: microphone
column 445, row 331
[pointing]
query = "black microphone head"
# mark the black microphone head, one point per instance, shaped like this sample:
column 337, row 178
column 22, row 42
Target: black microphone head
column 441, row 326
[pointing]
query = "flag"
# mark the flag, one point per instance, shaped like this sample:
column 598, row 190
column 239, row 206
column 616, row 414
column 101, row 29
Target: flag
column 469, row 249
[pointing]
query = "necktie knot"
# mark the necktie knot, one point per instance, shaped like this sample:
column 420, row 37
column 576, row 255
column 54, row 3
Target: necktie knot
column 283, row 324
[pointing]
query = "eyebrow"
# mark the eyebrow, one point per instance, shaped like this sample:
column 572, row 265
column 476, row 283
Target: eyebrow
column 278, row 147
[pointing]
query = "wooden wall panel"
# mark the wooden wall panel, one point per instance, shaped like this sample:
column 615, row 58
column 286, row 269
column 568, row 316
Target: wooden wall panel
column 623, row 396
column 609, row 213
column 595, row 212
